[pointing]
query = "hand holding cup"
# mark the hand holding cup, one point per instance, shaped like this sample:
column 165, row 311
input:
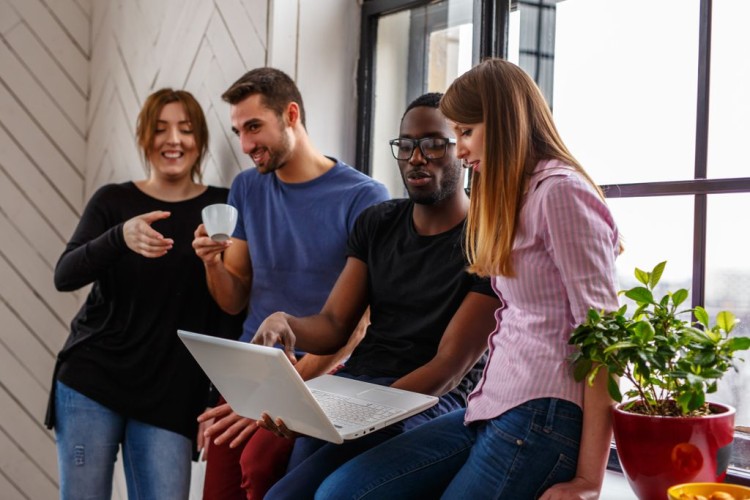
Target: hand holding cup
column 219, row 220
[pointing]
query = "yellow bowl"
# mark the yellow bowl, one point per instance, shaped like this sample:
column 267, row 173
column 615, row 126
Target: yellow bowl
column 707, row 489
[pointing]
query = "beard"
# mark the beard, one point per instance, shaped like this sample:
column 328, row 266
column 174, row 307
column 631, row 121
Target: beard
column 446, row 188
column 277, row 155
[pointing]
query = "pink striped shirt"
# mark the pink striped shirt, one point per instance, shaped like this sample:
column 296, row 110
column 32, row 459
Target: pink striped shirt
column 564, row 259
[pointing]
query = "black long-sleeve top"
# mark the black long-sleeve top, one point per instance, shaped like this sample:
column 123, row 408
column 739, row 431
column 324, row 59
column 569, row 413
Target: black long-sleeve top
column 123, row 350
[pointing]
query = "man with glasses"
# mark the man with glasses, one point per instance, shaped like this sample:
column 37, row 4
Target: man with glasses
column 432, row 148
column 430, row 319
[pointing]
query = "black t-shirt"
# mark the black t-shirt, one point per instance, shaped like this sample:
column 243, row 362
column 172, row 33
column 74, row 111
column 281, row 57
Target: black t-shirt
column 415, row 285
column 123, row 350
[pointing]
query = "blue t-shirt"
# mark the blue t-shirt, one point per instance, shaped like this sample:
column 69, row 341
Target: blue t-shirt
column 296, row 235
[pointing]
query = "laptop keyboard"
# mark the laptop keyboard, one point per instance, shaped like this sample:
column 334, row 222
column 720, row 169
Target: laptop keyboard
column 351, row 410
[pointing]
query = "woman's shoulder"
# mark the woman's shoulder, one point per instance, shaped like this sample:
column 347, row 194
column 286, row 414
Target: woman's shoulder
column 114, row 191
column 554, row 175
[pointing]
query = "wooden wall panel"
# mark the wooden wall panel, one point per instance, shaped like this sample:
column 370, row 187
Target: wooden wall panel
column 73, row 75
column 37, row 442
column 8, row 16
column 74, row 18
column 35, row 187
column 19, row 469
column 34, row 356
column 56, row 38
column 204, row 46
column 44, row 82
column 61, row 90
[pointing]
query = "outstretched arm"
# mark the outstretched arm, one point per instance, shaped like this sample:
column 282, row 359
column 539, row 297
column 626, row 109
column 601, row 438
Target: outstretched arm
column 328, row 331
column 313, row 365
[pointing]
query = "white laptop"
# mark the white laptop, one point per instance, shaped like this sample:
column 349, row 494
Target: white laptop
column 255, row 379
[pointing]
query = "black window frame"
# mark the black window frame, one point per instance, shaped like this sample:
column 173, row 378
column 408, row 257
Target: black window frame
column 490, row 40
column 492, row 18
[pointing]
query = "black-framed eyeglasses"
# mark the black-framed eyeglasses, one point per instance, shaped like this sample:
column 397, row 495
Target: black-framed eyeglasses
column 432, row 148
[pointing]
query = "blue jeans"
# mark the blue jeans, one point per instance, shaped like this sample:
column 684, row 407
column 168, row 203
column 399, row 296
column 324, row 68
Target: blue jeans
column 156, row 461
column 518, row 454
column 313, row 460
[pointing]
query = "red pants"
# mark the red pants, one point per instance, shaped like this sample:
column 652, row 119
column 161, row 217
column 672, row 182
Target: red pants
column 246, row 472
column 263, row 462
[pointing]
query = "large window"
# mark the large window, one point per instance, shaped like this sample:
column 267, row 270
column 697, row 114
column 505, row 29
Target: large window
column 649, row 95
column 415, row 49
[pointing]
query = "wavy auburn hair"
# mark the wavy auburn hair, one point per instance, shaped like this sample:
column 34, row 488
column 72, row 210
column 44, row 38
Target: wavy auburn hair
column 518, row 133
column 148, row 118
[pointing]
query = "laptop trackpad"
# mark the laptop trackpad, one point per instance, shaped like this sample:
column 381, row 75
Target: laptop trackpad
column 377, row 396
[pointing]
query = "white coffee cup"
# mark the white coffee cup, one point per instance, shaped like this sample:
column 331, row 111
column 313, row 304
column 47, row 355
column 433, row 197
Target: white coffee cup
column 219, row 220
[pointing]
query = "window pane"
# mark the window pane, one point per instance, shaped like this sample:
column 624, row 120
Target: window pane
column 418, row 50
column 730, row 70
column 728, row 288
column 449, row 56
column 647, row 243
column 625, row 74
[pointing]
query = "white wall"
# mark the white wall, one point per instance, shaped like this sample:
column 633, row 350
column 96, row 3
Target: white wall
column 44, row 62
column 73, row 74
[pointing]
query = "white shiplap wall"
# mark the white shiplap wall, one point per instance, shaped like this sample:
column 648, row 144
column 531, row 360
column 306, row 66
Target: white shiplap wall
column 44, row 64
column 73, row 74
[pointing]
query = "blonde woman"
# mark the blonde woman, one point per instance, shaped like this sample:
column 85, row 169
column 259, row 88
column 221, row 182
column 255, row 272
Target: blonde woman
column 539, row 227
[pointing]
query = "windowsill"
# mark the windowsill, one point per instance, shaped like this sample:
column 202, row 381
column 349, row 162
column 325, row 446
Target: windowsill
column 616, row 487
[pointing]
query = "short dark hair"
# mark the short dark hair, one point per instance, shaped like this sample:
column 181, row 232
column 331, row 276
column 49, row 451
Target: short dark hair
column 276, row 88
column 428, row 100
column 149, row 116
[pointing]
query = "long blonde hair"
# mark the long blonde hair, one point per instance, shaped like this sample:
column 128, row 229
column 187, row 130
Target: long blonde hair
column 518, row 133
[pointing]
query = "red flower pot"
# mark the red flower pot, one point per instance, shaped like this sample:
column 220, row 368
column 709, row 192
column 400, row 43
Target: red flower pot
column 659, row 452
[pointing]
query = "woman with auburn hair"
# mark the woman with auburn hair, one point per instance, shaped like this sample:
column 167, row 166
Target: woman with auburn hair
column 540, row 228
column 123, row 377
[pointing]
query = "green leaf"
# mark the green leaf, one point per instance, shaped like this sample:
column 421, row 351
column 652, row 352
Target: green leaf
column 726, row 321
column 593, row 316
column 581, row 369
column 679, row 296
column 642, row 276
column 738, row 344
column 614, row 389
column 640, row 294
column 656, row 274
column 704, row 358
column 683, row 400
column 697, row 400
column 701, row 315
column 715, row 335
column 664, row 302
column 644, row 331
column 624, row 344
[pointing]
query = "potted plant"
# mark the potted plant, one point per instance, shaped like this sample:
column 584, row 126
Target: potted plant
column 665, row 431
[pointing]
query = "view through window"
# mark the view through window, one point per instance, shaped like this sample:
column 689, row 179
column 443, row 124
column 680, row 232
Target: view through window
column 630, row 86
column 622, row 78
column 419, row 50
